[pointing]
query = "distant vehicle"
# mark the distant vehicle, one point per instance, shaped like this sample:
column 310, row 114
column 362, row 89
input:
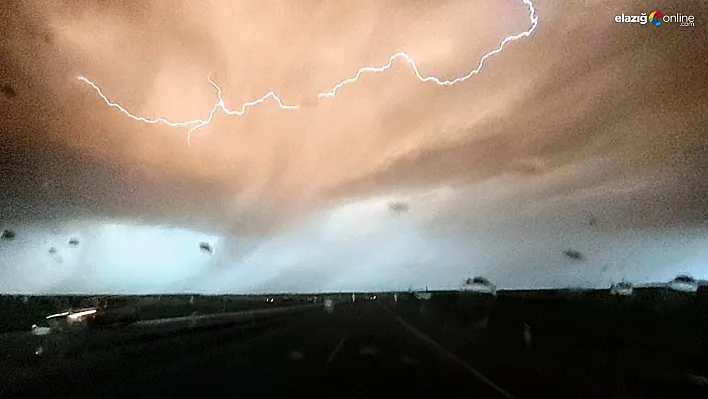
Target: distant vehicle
column 622, row 288
column 683, row 283
column 480, row 285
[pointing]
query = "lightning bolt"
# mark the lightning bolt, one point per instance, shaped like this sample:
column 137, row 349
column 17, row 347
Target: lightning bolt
column 196, row 124
column 425, row 79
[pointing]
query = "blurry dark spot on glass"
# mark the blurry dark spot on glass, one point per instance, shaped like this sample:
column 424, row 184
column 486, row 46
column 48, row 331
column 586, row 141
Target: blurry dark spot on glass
column 398, row 206
column 573, row 254
column 7, row 235
column 8, row 91
column 205, row 247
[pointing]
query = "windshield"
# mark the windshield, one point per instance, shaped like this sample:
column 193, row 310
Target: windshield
column 521, row 182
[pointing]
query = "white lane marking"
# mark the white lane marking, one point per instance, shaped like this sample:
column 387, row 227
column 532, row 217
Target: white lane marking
column 456, row 359
column 336, row 350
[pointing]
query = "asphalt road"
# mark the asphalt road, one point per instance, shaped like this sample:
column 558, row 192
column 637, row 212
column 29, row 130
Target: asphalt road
column 365, row 349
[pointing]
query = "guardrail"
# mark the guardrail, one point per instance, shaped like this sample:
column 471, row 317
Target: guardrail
column 213, row 320
column 22, row 345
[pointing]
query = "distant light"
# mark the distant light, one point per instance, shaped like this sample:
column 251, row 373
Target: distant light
column 77, row 315
column 62, row 314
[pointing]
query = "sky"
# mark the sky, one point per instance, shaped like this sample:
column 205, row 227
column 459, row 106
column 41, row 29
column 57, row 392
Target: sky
column 587, row 134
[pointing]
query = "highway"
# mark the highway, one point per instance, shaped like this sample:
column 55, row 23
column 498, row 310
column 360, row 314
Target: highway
column 362, row 349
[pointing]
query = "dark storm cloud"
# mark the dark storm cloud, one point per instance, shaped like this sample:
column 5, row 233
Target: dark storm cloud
column 48, row 182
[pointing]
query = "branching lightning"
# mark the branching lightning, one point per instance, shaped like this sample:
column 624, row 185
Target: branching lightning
column 196, row 124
